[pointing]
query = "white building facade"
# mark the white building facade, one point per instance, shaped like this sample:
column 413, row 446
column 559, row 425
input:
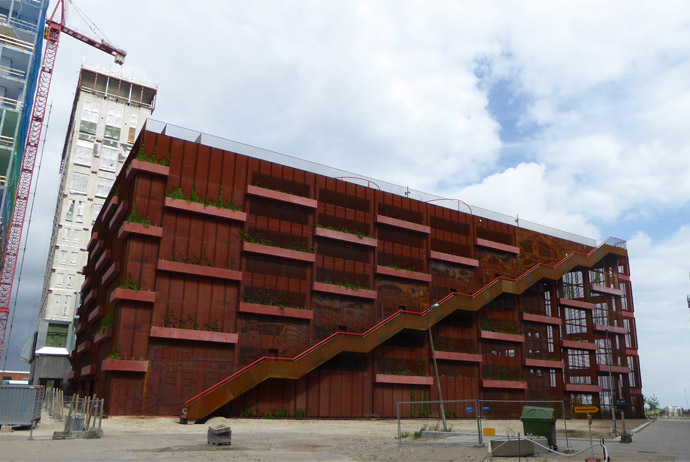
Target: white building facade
column 108, row 113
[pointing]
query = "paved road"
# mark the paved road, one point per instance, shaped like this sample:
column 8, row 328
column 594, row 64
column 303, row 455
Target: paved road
column 670, row 438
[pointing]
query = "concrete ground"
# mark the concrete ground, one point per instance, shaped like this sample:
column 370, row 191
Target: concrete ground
column 154, row 439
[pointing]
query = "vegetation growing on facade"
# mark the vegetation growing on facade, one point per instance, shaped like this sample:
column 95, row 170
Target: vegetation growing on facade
column 344, row 229
column 498, row 325
column 298, row 246
column 171, row 320
column 142, row 156
column 135, row 217
column 194, row 197
column 130, row 284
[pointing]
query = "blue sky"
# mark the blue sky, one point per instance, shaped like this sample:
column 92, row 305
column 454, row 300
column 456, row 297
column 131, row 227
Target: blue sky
column 570, row 114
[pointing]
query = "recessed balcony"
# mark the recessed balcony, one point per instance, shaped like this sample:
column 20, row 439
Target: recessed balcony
column 281, row 196
column 194, row 335
column 408, row 225
column 456, row 356
column 404, row 379
column 272, row 310
column 346, row 291
column 403, row 274
column 490, row 335
column 278, row 252
column 345, row 237
column 464, row 261
column 202, row 209
column 545, row 363
column 199, row 270
column 497, row 246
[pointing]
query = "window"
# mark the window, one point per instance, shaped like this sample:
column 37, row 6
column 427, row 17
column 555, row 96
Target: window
column 59, row 279
column 65, row 234
column 73, row 258
column 69, row 216
column 80, row 184
column 575, row 321
column 76, row 235
column 104, row 185
column 108, row 158
column 83, row 152
column 63, row 257
column 70, row 280
column 113, row 123
column 57, row 335
column 132, row 133
column 89, row 118
column 573, row 285
column 96, row 210
column 80, row 212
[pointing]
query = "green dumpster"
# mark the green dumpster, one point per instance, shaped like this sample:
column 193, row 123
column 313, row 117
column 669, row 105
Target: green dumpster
column 539, row 421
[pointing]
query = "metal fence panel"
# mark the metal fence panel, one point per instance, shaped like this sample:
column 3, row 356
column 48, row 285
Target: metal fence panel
column 20, row 405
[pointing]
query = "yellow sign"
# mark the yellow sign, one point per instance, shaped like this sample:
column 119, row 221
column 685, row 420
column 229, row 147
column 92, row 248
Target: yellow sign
column 585, row 409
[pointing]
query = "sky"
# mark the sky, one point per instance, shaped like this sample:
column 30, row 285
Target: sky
column 571, row 114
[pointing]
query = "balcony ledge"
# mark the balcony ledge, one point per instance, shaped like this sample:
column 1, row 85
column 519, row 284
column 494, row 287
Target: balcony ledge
column 345, row 237
column 271, row 310
column 210, row 210
column 199, row 270
column 489, row 335
column 454, row 356
column 110, row 273
column 408, row 225
column 282, row 197
column 606, row 290
column 148, row 167
column 576, row 303
column 403, row 274
column 612, row 329
column 124, row 365
column 346, row 291
column 137, row 228
column 453, row 259
column 195, row 335
column 581, row 388
column 106, row 334
column 510, row 384
column 133, row 295
column 404, row 379
column 547, row 363
column 88, row 370
column 497, row 246
column 278, row 252
column 541, row 319
column 97, row 313
column 579, row 345
column 614, row 369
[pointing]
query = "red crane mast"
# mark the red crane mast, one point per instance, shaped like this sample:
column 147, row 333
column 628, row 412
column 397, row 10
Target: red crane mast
column 55, row 26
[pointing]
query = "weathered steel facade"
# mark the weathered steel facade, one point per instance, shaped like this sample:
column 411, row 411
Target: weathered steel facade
column 220, row 282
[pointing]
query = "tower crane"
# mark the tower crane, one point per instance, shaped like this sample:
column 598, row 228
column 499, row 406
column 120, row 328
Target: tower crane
column 55, row 26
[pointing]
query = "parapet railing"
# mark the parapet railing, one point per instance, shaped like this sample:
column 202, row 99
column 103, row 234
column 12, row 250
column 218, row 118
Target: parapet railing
column 186, row 134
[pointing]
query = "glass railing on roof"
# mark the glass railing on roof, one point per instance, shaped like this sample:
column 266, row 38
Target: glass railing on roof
column 186, row 134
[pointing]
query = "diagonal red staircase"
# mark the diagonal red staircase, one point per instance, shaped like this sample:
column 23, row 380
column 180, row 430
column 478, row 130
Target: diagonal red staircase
column 264, row 368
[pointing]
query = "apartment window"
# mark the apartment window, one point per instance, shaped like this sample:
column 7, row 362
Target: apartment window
column 113, row 123
column 104, row 186
column 69, row 216
column 73, row 258
column 96, row 210
column 573, row 285
column 575, row 321
column 80, row 212
column 108, row 158
column 132, row 133
column 65, row 234
column 70, row 280
column 63, row 257
column 89, row 118
column 76, row 235
column 59, row 279
column 83, row 152
column 57, row 335
column 80, row 184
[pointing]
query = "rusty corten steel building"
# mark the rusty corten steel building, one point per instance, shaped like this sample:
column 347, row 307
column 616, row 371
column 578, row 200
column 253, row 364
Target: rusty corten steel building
column 223, row 278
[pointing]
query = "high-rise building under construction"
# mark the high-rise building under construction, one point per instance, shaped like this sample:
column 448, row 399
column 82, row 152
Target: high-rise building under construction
column 109, row 110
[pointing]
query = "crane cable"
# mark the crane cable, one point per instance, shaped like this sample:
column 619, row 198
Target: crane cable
column 28, row 228
column 92, row 25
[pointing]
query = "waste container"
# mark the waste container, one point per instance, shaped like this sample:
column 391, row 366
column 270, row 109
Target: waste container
column 539, row 421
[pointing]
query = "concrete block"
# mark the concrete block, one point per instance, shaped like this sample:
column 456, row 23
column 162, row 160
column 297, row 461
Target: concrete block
column 219, row 435
column 511, row 448
column 541, row 440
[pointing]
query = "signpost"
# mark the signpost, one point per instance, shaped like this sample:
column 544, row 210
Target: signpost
column 589, row 410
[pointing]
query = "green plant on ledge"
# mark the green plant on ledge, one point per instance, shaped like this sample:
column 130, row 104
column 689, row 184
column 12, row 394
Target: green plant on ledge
column 142, row 156
column 130, row 284
column 115, row 353
column 501, row 326
column 343, row 229
column 106, row 322
column 194, row 197
column 201, row 260
column 270, row 296
column 134, row 217
column 402, row 268
column 346, row 284
column 300, row 247
column 190, row 323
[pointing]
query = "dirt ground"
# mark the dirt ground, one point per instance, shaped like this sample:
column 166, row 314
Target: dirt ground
column 163, row 439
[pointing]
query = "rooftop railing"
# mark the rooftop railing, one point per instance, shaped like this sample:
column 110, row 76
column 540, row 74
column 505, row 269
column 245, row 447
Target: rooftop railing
column 186, row 134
